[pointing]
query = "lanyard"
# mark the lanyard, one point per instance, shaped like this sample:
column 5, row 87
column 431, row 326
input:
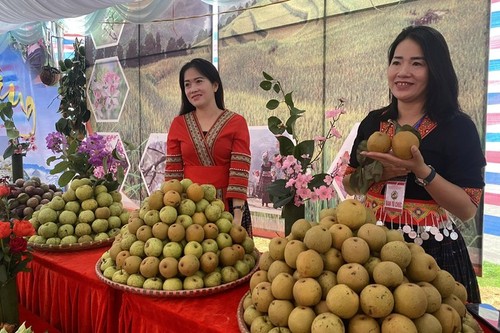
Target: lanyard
column 417, row 124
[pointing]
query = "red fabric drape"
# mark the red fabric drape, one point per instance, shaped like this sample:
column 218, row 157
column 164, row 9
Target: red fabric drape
column 209, row 314
column 35, row 322
column 64, row 291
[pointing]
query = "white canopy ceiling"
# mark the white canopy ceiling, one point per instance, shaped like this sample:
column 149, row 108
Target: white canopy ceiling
column 17, row 12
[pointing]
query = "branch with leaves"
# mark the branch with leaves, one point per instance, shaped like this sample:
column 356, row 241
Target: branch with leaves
column 297, row 161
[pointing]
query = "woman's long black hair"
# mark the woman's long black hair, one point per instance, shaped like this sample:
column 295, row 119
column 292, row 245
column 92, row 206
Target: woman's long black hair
column 207, row 69
column 442, row 87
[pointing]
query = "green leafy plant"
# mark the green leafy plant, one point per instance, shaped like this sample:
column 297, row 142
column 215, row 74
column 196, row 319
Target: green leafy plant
column 18, row 143
column 299, row 162
column 73, row 94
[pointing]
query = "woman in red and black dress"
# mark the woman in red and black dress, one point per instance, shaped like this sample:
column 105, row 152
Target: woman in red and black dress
column 208, row 143
column 445, row 174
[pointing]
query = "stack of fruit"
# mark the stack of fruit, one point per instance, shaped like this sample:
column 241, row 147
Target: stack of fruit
column 348, row 274
column 85, row 213
column 181, row 238
column 28, row 196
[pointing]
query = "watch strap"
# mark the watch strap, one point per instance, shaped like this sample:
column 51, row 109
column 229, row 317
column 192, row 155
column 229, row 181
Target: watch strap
column 425, row 181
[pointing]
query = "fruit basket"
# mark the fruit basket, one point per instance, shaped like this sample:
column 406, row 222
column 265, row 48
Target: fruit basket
column 239, row 313
column 177, row 293
column 71, row 247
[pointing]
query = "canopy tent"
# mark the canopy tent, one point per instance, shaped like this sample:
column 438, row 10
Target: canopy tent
column 25, row 19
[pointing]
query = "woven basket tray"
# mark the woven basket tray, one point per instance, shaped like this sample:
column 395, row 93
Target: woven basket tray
column 71, row 247
column 239, row 313
column 177, row 293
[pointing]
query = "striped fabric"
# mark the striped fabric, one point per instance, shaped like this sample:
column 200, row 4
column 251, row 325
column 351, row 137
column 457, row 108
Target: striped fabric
column 69, row 39
column 492, row 175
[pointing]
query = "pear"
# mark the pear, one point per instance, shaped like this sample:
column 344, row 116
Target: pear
column 379, row 142
column 402, row 143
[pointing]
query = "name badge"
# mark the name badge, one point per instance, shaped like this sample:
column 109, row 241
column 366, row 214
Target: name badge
column 395, row 195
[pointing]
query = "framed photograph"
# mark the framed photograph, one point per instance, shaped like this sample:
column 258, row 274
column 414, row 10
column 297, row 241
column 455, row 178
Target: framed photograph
column 266, row 220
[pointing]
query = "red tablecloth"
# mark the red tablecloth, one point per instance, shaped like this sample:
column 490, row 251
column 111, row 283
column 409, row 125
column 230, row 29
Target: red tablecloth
column 64, row 291
column 35, row 322
column 208, row 314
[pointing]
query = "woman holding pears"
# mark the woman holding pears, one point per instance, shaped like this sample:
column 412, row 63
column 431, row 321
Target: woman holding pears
column 442, row 173
column 208, row 143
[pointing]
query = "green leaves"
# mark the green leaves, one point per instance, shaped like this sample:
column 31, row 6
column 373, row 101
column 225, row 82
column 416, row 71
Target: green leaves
column 66, row 177
column 73, row 93
column 272, row 104
column 266, row 85
column 286, row 145
column 275, row 125
column 9, row 151
column 60, row 167
column 6, row 111
column 6, row 114
column 303, row 152
column 280, row 195
column 267, row 76
column 369, row 171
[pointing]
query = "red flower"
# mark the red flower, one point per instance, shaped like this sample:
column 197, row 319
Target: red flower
column 18, row 245
column 4, row 190
column 23, row 228
column 4, row 229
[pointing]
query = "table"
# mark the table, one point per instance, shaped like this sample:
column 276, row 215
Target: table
column 33, row 321
column 64, row 291
column 208, row 314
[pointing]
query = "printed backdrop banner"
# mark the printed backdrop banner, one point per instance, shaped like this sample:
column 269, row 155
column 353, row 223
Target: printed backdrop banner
column 18, row 76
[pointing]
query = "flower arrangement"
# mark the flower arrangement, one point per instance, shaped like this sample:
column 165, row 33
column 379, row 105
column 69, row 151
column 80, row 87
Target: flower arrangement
column 298, row 163
column 18, row 143
column 94, row 157
column 14, row 255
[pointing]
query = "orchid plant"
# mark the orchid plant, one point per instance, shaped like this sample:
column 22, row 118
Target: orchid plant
column 95, row 157
column 297, row 163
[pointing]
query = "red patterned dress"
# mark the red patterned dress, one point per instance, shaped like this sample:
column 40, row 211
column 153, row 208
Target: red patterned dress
column 220, row 156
